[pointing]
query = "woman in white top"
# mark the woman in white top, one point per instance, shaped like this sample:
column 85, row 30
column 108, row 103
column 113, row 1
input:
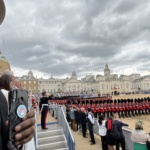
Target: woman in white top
column 102, row 132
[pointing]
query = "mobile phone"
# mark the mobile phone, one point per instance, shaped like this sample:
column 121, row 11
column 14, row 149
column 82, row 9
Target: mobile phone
column 18, row 108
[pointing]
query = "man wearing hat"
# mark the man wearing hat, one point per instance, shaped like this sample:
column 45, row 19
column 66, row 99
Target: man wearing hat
column 90, row 125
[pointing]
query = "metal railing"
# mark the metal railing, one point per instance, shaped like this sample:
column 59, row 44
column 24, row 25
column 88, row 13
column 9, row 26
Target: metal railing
column 35, row 135
column 61, row 117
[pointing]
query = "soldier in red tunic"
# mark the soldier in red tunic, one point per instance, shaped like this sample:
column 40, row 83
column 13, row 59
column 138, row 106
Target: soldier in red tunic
column 94, row 110
column 140, row 107
column 132, row 107
column 104, row 107
column 84, row 106
column 97, row 109
column 147, row 106
column 126, row 108
column 116, row 106
column 101, row 111
column 108, row 108
column 123, row 112
column 119, row 108
column 136, row 107
column 112, row 107
column 143, row 106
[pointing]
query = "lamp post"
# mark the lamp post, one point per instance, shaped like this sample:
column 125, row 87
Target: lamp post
column 2, row 11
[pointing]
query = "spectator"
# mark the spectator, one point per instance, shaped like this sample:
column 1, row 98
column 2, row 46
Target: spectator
column 139, row 137
column 90, row 125
column 121, row 139
column 68, row 113
column 109, row 138
column 148, row 143
column 77, row 118
column 18, row 84
column 102, row 132
column 24, row 130
column 83, row 121
column 72, row 117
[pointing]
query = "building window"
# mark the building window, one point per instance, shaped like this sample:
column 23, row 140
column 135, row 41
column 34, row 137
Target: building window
column 34, row 87
column 34, row 82
column 24, row 82
column 29, row 82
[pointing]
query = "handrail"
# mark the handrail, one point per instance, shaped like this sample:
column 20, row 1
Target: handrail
column 67, row 125
column 66, row 129
column 35, row 135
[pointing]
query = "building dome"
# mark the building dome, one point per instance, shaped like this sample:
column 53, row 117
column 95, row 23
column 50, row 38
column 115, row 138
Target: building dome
column 2, row 11
column 30, row 73
column 74, row 75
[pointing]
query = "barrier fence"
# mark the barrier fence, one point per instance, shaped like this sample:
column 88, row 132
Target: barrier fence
column 61, row 117
column 35, row 135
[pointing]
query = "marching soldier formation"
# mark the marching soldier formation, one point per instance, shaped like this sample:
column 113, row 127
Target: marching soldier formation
column 107, row 107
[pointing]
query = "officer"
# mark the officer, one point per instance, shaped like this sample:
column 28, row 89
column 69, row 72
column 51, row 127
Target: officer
column 44, row 109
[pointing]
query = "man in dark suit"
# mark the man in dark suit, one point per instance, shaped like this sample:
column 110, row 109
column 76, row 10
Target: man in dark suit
column 83, row 121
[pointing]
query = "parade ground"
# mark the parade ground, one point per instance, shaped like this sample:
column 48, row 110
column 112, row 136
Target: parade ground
column 84, row 144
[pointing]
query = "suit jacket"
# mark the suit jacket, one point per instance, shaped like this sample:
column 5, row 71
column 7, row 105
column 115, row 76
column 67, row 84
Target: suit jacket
column 83, row 118
column 3, row 117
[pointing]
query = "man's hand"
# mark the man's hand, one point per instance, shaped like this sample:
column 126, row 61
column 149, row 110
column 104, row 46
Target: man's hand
column 25, row 130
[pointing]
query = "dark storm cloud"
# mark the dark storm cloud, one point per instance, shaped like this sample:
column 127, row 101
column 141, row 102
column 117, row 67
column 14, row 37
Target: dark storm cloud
column 60, row 36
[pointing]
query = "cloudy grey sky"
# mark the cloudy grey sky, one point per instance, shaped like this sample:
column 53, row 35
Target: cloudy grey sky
column 56, row 37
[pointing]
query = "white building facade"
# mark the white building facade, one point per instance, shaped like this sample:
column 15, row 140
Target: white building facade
column 107, row 84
